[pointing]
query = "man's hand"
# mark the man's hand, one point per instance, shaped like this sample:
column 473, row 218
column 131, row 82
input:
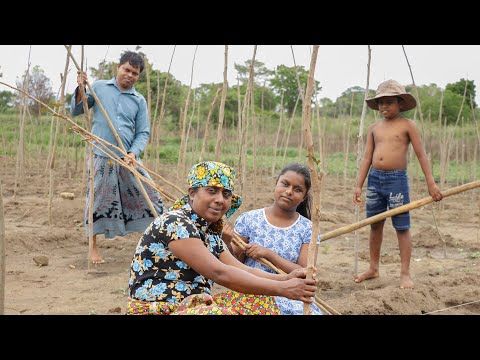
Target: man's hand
column 81, row 79
column 130, row 159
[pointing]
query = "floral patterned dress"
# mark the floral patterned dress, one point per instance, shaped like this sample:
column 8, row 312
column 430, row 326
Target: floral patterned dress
column 160, row 283
column 286, row 242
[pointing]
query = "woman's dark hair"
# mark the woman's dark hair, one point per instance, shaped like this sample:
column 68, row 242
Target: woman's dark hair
column 304, row 208
column 133, row 58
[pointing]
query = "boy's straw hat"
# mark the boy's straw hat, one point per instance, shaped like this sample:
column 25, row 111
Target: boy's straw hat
column 392, row 88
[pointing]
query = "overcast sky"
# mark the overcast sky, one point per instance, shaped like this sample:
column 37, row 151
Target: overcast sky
column 338, row 66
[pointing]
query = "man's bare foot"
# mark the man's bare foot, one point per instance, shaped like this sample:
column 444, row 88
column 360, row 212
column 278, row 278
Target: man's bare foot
column 369, row 274
column 96, row 257
column 406, row 282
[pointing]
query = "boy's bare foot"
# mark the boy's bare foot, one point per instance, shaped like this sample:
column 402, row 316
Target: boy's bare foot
column 406, row 282
column 369, row 274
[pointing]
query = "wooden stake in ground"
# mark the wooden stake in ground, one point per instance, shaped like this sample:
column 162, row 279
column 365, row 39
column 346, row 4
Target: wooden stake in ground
column 242, row 160
column 221, row 111
column 2, row 254
column 183, row 127
column 278, row 133
column 312, row 164
column 162, row 113
column 91, row 195
column 52, row 163
column 207, row 123
column 19, row 168
column 359, row 155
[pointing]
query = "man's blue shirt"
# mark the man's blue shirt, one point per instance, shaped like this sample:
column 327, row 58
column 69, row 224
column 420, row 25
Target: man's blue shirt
column 127, row 111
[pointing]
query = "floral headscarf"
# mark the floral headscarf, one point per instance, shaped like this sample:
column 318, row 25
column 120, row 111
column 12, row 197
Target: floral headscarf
column 211, row 173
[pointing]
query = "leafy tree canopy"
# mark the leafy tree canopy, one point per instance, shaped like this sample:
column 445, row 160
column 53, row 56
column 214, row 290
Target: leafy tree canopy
column 285, row 80
column 261, row 73
column 7, row 100
column 38, row 86
column 459, row 88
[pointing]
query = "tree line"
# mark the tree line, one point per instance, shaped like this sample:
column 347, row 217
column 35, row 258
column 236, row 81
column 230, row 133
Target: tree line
column 274, row 89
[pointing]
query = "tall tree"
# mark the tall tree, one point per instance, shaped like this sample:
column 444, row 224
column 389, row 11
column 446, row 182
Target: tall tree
column 7, row 99
column 261, row 73
column 459, row 88
column 285, row 80
column 39, row 87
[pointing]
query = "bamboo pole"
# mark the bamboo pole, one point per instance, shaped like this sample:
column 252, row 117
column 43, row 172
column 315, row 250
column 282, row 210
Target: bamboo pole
column 359, row 154
column 115, row 134
column 477, row 142
column 254, row 136
column 2, row 254
column 207, row 123
column 221, row 112
column 162, row 113
column 301, row 91
column 401, row 209
column 347, row 145
column 187, row 137
column 91, row 194
column 153, row 120
column 50, row 142
column 321, row 143
column 183, row 120
column 278, row 134
column 239, row 124
column 52, row 163
column 20, row 163
column 416, row 91
column 147, row 154
column 451, row 135
column 316, row 177
column 242, row 161
column 292, row 119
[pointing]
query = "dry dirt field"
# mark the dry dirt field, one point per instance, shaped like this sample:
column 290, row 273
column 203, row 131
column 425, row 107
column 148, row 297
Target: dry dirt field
column 66, row 286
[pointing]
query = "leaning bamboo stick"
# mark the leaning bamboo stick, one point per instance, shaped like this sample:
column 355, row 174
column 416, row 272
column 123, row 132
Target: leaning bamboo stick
column 91, row 155
column 101, row 142
column 359, row 154
column 315, row 176
column 20, row 163
column 109, row 153
column 2, row 255
column 207, row 124
column 242, row 158
column 398, row 210
column 221, row 111
column 241, row 244
column 156, row 140
column 51, row 169
column 278, row 134
column 183, row 120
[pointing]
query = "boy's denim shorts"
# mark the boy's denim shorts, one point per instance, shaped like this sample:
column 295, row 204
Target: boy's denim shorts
column 386, row 190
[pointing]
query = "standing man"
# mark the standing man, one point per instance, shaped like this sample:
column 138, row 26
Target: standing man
column 119, row 207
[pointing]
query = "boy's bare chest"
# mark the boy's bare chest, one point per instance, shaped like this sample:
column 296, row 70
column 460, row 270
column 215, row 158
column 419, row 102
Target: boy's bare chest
column 391, row 134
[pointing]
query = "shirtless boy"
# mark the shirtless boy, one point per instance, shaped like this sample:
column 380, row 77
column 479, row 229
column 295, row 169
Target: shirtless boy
column 386, row 158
